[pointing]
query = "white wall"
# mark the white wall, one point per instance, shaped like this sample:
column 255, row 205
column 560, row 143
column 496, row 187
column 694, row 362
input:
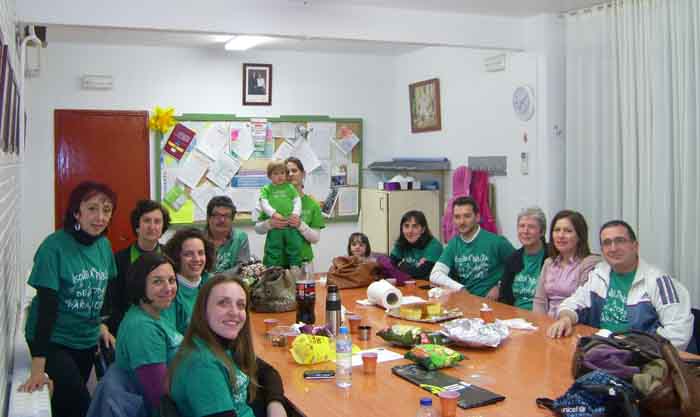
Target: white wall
column 284, row 17
column 196, row 81
column 477, row 120
column 10, row 238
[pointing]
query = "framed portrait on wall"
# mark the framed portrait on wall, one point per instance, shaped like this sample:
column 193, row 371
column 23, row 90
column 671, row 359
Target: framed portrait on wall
column 257, row 84
column 424, row 102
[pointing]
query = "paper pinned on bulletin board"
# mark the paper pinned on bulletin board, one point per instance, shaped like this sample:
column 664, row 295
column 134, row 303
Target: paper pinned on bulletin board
column 178, row 141
column 222, row 170
column 284, row 130
column 320, row 136
column 244, row 198
column 204, row 193
column 348, row 201
column 347, row 140
column 241, row 144
column 193, row 168
column 213, row 140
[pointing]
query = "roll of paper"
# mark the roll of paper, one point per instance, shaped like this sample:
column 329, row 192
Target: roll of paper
column 384, row 294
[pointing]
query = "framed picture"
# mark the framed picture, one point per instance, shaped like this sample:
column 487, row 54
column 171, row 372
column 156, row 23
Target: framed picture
column 424, row 100
column 257, row 84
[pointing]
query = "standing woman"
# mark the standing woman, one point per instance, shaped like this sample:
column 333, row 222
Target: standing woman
column 149, row 220
column 310, row 222
column 216, row 372
column 416, row 250
column 569, row 262
column 522, row 269
column 146, row 341
column 71, row 269
column 194, row 258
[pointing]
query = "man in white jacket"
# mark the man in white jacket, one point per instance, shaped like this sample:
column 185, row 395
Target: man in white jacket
column 626, row 293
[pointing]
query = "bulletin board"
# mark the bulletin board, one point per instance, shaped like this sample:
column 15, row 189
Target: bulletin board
column 205, row 155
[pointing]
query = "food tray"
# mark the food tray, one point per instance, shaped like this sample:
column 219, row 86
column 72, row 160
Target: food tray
column 446, row 315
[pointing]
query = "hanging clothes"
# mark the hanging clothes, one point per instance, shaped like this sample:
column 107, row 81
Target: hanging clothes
column 480, row 193
column 461, row 181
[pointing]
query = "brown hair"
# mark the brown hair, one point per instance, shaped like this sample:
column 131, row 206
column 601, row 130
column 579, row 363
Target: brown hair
column 581, row 229
column 276, row 165
column 83, row 192
column 241, row 347
column 174, row 248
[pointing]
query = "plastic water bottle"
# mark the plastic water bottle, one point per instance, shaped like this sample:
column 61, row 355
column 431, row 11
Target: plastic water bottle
column 426, row 408
column 343, row 358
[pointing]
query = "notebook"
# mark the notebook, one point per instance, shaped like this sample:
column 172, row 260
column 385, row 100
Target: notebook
column 435, row 381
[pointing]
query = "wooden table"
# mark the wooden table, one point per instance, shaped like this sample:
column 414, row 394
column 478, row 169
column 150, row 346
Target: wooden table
column 526, row 366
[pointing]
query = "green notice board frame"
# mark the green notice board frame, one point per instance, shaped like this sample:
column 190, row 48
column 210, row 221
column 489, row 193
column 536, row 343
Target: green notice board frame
column 244, row 218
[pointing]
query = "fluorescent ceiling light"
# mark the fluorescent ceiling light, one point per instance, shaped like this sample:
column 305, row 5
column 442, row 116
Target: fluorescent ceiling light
column 243, row 42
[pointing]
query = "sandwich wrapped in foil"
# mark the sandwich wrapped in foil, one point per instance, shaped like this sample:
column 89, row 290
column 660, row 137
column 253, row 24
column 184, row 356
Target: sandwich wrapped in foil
column 475, row 333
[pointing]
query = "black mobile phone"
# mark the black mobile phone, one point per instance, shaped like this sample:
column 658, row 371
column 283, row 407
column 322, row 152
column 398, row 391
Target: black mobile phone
column 319, row 374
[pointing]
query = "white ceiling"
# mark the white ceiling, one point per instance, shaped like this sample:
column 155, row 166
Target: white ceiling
column 515, row 8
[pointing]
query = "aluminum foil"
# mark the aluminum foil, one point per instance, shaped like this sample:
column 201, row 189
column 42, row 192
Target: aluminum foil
column 475, row 333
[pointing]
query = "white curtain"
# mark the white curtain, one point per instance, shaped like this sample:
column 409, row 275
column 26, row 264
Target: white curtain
column 632, row 114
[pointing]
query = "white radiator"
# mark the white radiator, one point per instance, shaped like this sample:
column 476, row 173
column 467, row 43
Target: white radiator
column 21, row 404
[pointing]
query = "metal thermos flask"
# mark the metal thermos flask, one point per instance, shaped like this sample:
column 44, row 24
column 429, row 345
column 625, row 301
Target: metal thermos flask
column 333, row 314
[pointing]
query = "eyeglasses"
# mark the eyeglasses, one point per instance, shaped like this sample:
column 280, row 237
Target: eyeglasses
column 617, row 241
column 222, row 216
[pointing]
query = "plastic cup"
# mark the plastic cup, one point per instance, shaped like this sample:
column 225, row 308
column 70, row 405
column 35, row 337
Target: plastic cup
column 369, row 363
column 448, row 403
column 270, row 324
column 354, row 322
column 290, row 338
column 486, row 315
column 365, row 332
column 409, row 287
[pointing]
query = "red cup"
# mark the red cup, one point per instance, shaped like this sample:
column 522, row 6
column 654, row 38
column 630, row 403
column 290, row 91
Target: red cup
column 486, row 315
column 354, row 322
column 369, row 363
column 409, row 287
column 448, row 403
column 270, row 324
column 290, row 338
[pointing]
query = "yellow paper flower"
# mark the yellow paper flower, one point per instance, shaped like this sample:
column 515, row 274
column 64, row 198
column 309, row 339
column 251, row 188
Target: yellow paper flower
column 162, row 119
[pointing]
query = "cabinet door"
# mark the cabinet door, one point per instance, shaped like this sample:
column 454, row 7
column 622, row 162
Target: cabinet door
column 402, row 201
column 374, row 219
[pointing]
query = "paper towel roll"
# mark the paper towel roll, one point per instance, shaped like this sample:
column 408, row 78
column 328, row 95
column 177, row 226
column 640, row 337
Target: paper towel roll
column 384, row 294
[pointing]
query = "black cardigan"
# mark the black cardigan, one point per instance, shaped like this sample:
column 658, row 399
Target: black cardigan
column 513, row 265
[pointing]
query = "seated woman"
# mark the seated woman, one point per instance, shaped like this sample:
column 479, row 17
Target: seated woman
column 149, row 220
column 415, row 251
column 216, row 372
column 194, row 257
column 146, row 341
column 359, row 247
column 522, row 269
column 568, row 264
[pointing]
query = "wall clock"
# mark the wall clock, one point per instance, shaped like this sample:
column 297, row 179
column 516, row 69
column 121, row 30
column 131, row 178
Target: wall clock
column 524, row 102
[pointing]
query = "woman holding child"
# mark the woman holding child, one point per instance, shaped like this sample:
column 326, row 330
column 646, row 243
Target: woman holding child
column 309, row 224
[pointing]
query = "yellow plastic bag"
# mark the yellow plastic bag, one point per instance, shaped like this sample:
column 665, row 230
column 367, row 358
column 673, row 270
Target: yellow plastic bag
column 309, row 349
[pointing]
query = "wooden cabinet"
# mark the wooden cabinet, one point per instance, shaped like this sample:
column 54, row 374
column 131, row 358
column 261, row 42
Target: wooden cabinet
column 382, row 212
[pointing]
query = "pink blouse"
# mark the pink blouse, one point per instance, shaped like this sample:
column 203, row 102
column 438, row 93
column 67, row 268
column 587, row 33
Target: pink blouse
column 558, row 280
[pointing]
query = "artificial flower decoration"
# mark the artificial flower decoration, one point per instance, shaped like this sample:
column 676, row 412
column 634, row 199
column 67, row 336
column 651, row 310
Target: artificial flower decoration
column 162, row 119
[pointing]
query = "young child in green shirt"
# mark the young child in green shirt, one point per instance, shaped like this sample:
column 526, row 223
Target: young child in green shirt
column 280, row 200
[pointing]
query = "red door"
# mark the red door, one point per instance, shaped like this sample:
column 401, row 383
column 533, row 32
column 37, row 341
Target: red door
column 104, row 146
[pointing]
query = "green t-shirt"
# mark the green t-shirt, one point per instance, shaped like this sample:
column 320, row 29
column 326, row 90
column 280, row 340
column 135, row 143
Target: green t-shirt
column 227, row 254
column 431, row 252
column 614, row 314
column 478, row 265
column 201, row 386
column 311, row 215
column 79, row 274
column 180, row 311
column 525, row 282
column 144, row 340
column 281, row 198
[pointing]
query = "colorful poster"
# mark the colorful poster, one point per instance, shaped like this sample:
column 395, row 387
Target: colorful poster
column 178, row 141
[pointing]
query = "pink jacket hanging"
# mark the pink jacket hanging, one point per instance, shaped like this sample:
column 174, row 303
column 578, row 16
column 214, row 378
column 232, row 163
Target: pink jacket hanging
column 461, row 180
column 480, row 193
